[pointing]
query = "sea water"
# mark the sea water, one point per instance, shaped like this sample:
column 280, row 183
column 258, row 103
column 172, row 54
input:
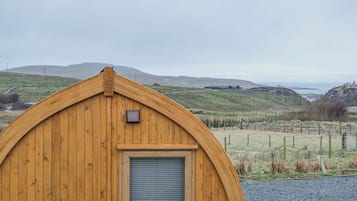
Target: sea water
column 305, row 87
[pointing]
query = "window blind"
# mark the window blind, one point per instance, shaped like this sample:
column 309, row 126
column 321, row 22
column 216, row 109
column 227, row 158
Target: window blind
column 157, row 179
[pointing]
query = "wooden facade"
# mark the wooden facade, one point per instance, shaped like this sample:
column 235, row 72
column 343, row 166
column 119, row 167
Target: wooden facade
column 70, row 145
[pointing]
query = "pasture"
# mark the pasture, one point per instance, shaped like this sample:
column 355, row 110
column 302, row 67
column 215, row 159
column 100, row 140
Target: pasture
column 262, row 156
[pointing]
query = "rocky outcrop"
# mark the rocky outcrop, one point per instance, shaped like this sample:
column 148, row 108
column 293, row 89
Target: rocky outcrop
column 346, row 93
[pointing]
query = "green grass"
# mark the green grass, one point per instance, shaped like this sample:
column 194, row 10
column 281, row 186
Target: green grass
column 223, row 102
column 257, row 156
column 32, row 88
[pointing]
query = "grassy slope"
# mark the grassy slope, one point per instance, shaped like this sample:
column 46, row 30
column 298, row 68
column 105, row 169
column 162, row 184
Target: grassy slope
column 32, row 88
column 229, row 101
column 35, row 87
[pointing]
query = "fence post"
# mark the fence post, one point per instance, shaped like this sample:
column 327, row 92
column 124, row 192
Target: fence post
column 344, row 141
column 319, row 129
column 293, row 141
column 225, row 144
column 320, row 142
column 356, row 139
column 300, row 127
column 329, row 146
column 284, row 127
column 284, row 148
column 292, row 127
column 270, row 140
column 248, row 140
column 229, row 139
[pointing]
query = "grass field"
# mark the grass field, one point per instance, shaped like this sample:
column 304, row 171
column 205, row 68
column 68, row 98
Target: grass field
column 252, row 149
column 32, row 88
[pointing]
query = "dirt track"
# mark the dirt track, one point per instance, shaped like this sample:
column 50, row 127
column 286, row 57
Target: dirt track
column 326, row 189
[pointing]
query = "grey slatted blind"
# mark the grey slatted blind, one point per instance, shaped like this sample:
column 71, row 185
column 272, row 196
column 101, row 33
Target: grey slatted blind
column 157, row 179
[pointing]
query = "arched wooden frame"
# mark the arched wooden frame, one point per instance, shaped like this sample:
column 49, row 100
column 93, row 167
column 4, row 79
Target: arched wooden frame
column 109, row 84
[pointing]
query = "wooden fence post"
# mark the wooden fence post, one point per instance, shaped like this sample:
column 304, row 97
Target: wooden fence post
column 284, row 148
column 320, row 142
column 270, row 141
column 284, row 127
column 229, row 139
column 356, row 139
column 329, row 146
column 319, row 129
column 293, row 141
column 225, row 144
column 292, row 127
column 300, row 127
column 248, row 140
column 344, row 141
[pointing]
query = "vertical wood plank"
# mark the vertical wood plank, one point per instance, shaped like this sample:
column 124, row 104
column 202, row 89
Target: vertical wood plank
column 88, row 149
column 199, row 174
column 214, row 184
column 22, row 168
column 167, row 130
column 160, row 131
column 176, row 134
column 183, row 136
column 136, row 127
column 97, row 172
column 1, row 184
column 14, row 188
column 72, row 156
column 64, row 164
column 39, row 163
column 6, row 176
column 47, row 158
column 152, row 127
column 222, row 193
column 55, row 162
column 1, row 187
column 207, row 179
column 31, row 165
column 80, row 152
column 117, row 136
column 129, row 128
column 108, row 136
column 144, row 125
column 103, row 139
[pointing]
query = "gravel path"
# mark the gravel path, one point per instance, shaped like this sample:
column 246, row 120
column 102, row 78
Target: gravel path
column 326, row 189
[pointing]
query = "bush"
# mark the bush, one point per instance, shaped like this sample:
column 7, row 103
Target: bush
column 240, row 168
column 323, row 110
column 9, row 98
column 20, row 106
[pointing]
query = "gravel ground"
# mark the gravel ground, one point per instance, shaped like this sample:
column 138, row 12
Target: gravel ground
column 326, row 189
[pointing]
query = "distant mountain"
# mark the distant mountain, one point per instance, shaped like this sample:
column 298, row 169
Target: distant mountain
column 86, row 70
column 346, row 92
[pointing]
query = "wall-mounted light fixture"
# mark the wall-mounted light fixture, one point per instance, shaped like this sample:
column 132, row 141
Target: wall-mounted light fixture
column 133, row 116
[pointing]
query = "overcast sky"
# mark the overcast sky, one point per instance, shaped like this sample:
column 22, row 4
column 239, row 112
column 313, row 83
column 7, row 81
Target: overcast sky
column 257, row 40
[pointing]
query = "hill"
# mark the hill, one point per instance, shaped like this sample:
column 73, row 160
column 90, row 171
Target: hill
column 206, row 101
column 346, row 92
column 85, row 70
column 32, row 88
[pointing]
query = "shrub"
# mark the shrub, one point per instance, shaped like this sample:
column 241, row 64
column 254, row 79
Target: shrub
column 353, row 163
column 9, row 98
column 323, row 110
column 240, row 168
column 300, row 166
column 20, row 106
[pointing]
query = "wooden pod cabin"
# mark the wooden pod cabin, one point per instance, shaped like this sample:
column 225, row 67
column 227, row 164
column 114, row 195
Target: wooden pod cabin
column 104, row 139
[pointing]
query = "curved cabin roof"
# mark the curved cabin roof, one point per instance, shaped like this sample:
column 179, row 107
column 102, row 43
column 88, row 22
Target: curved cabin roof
column 109, row 83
